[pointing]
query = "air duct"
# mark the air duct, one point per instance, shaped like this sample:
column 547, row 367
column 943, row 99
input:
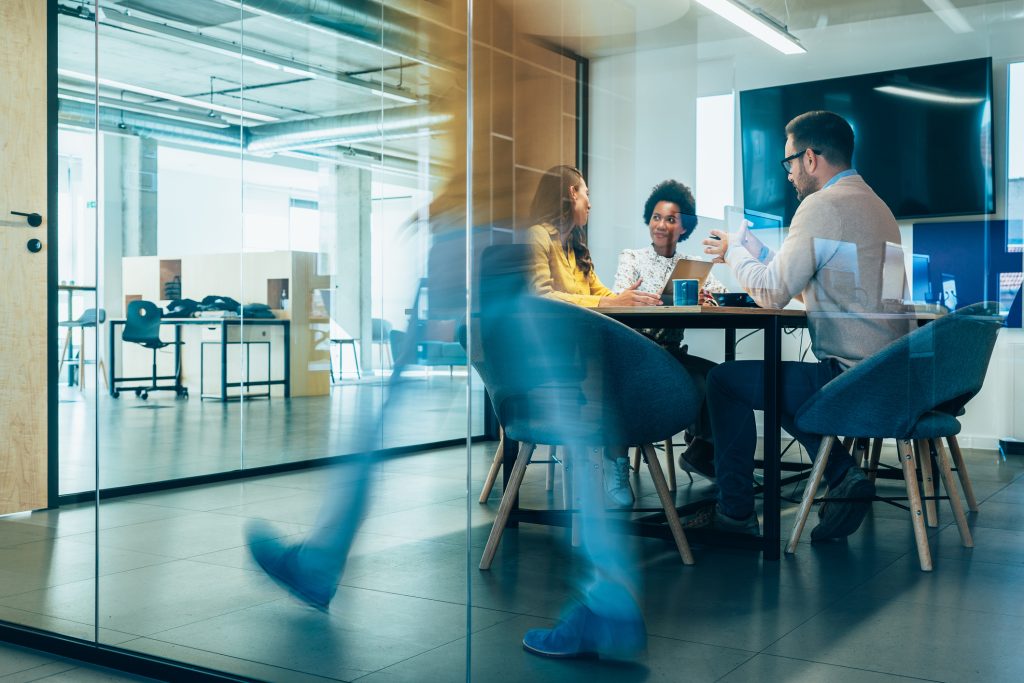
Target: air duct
column 83, row 115
column 367, row 22
column 342, row 129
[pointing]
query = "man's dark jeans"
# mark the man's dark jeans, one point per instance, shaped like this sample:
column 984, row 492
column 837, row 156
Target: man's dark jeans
column 735, row 389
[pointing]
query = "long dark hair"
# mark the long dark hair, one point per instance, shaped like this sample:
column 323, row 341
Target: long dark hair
column 552, row 204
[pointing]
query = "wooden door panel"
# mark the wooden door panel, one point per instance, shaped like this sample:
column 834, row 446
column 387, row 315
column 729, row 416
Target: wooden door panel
column 24, row 358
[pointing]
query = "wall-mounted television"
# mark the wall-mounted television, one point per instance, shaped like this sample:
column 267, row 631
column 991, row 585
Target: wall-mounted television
column 923, row 137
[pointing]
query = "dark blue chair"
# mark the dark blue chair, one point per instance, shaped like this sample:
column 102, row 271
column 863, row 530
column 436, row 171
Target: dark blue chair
column 910, row 390
column 142, row 327
column 562, row 375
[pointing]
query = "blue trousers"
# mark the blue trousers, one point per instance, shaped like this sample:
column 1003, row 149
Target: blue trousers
column 735, row 389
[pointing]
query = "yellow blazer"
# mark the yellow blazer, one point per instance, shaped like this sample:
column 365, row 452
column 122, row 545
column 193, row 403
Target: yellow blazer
column 555, row 273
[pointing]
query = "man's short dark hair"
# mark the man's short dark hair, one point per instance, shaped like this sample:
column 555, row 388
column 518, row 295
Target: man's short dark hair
column 826, row 132
column 680, row 195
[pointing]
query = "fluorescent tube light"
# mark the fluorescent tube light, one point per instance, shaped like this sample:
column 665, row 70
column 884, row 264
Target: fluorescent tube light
column 756, row 24
column 159, row 94
column 88, row 98
column 918, row 93
column 949, row 15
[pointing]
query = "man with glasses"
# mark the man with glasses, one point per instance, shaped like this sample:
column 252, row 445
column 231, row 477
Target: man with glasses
column 832, row 261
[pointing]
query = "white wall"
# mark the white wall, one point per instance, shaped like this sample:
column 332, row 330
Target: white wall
column 643, row 131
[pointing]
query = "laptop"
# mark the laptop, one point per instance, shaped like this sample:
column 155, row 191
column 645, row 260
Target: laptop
column 686, row 269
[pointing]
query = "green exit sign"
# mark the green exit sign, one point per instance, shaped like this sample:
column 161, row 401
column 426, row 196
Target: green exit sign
column 91, row 205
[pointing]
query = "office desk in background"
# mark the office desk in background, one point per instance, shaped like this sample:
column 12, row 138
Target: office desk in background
column 225, row 340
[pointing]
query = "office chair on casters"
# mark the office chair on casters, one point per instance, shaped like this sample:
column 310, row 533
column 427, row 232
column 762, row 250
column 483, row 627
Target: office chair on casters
column 911, row 391
column 142, row 327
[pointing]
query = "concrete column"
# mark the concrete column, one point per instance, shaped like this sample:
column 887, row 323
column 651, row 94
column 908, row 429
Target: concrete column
column 345, row 204
column 138, row 194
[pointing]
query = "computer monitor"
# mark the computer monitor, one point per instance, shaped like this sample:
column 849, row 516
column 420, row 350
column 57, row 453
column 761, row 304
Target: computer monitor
column 894, row 274
column 921, row 281
column 758, row 219
column 949, row 298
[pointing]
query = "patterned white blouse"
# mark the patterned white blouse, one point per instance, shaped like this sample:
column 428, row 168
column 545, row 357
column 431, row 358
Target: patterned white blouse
column 654, row 269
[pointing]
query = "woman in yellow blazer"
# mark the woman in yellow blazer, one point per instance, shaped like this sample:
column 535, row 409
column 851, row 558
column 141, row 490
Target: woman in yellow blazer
column 561, row 269
column 561, row 264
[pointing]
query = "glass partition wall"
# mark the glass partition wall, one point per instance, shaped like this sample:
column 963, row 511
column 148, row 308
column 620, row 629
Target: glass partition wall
column 273, row 218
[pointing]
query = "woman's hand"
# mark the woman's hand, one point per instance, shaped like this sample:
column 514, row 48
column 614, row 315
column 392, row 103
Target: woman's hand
column 631, row 297
column 706, row 298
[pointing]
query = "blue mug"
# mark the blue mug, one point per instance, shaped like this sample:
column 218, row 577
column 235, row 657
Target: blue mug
column 684, row 292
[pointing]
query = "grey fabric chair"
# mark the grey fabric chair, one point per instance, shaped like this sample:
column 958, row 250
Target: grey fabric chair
column 910, row 390
column 561, row 375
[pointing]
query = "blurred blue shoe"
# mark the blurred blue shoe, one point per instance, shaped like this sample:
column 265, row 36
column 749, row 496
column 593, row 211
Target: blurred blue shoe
column 582, row 633
column 280, row 562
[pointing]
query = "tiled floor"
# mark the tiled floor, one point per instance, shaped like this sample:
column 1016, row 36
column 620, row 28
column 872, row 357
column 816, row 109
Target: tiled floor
column 167, row 438
column 176, row 581
column 19, row 665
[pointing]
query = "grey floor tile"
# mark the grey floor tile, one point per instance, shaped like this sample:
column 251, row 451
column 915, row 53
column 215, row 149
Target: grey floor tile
column 151, row 599
column 82, row 630
column 994, row 515
column 31, row 566
column 365, row 631
column 773, row 668
column 219, row 662
column 1001, row 546
column 14, row 659
column 497, row 655
column 965, row 584
column 909, row 639
column 197, row 533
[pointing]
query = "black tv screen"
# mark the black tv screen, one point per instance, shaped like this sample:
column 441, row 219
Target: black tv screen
column 923, row 137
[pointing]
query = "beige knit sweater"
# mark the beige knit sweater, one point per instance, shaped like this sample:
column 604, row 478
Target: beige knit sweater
column 833, row 259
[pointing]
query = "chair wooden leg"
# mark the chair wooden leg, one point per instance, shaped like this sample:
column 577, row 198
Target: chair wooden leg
column 860, row 452
column 566, row 480
column 636, row 459
column 954, row 495
column 924, row 555
column 961, row 471
column 812, row 489
column 876, row 454
column 924, row 461
column 574, row 472
column 507, row 499
column 102, row 371
column 64, row 352
column 492, row 474
column 668, row 503
column 670, row 465
column 81, row 359
column 549, row 475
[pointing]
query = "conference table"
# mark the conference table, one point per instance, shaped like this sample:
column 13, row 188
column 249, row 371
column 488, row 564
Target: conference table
column 771, row 322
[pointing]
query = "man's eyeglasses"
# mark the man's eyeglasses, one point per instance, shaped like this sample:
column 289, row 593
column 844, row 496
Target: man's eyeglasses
column 787, row 163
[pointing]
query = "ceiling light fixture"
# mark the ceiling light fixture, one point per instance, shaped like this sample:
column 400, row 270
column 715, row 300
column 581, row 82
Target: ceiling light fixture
column 920, row 93
column 757, row 23
column 88, row 98
column 949, row 15
column 159, row 94
column 264, row 59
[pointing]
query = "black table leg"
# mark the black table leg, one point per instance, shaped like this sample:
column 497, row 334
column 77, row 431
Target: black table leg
column 772, row 533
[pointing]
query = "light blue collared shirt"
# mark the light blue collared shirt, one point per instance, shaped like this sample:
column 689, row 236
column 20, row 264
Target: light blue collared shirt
column 839, row 176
